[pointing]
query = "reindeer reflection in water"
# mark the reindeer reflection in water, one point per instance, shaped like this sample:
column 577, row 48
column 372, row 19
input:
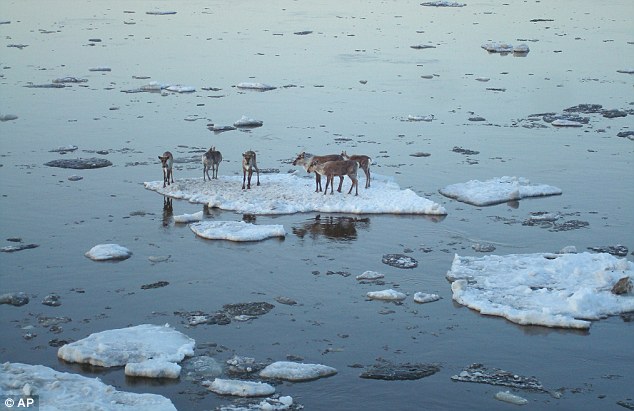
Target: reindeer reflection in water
column 168, row 211
column 334, row 228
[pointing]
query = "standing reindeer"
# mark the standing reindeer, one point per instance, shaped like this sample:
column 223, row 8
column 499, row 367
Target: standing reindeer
column 305, row 159
column 248, row 165
column 211, row 159
column 167, row 160
column 340, row 168
column 364, row 164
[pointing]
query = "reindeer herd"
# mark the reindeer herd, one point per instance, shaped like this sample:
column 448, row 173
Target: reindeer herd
column 329, row 166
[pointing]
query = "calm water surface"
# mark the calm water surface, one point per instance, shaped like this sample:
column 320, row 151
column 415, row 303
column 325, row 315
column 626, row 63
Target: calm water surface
column 324, row 108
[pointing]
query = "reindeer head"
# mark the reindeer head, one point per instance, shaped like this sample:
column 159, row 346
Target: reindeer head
column 300, row 157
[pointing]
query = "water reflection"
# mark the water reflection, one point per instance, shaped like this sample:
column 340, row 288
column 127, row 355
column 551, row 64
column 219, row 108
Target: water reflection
column 168, row 211
column 333, row 228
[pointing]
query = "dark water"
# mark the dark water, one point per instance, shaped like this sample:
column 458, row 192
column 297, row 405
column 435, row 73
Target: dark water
column 219, row 44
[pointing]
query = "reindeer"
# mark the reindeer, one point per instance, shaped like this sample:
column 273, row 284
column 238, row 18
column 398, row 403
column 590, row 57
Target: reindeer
column 364, row 163
column 340, row 168
column 211, row 159
column 248, row 164
column 305, row 159
column 167, row 160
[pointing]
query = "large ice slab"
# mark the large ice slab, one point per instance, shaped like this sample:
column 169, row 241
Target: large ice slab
column 239, row 388
column 553, row 290
column 161, row 345
column 289, row 193
column 60, row 391
column 295, row 371
column 103, row 252
column 497, row 190
column 236, row 230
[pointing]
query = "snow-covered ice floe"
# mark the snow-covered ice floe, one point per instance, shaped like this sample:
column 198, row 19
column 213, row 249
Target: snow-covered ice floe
column 423, row 298
column 386, row 295
column 443, row 3
column 239, row 388
column 146, row 350
column 179, row 88
column 289, row 194
column 65, row 391
column 236, row 230
column 294, row 371
column 255, row 86
column 247, row 122
column 553, row 290
column 411, row 117
column 103, row 252
column 188, row 218
column 504, row 48
column 497, row 190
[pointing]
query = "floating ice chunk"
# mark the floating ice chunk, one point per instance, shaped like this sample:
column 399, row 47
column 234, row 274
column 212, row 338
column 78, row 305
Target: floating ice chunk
column 64, row 149
column 248, row 122
column 65, row 391
column 553, row 290
column 443, row 3
column 256, row 86
column 239, row 388
column 153, row 368
column 8, row 117
column 411, row 117
column 119, row 347
column 370, row 275
column 482, row 79
column 188, row 218
column 289, row 193
column 100, row 69
column 506, row 396
column 70, row 80
column 388, row 295
column 626, row 71
column 160, row 13
column 294, row 371
column 236, row 230
column 104, row 252
column 177, row 88
column 423, row 298
column 505, row 48
column 219, row 128
column 497, row 190
column 566, row 123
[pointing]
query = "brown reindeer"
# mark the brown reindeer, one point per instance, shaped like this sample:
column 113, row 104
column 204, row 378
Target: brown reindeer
column 364, row 164
column 167, row 160
column 248, row 165
column 211, row 159
column 341, row 168
column 305, row 159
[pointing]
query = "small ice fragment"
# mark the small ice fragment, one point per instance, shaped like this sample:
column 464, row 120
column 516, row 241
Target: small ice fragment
column 506, row 396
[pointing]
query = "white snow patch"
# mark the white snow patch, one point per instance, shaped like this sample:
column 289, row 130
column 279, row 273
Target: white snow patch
column 236, row 230
column 423, row 298
column 294, row 371
column 104, row 252
column 188, row 218
column 497, row 190
column 60, row 391
column 566, row 123
column 370, row 275
column 427, row 118
column 389, row 295
column 288, row 194
column 239, row 388
column 178, row 88
column 144, row 342
column 553, row 290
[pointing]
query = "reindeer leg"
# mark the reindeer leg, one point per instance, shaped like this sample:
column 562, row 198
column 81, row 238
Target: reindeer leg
column 367, row 175
column 340, row 183
column 257, row 170
column 244, row 177
column 317, row 183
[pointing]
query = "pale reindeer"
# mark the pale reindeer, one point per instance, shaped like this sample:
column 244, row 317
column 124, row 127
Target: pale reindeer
column 305, row 159
column 167, row 160
column 211, row 160
column 340, row 168
column 364, row 164
column 249, row 163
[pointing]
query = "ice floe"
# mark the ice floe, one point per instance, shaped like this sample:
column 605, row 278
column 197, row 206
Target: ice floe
column 553, row 290
column 65, row 391
column 188, row 218
column 505, row 48
column 8, row 117
column 497, row 190
column 236, row 230
column 443, row 3
column 566, row 123
column 256, row 86
column 369, row 275
column 387, row 295
column 427, row 118
column 294, row 371
column 423, row 298
column 288, row 194
column 162, row 346
column 103, row 252
column 178, row 88
column 247, row 122
column 239, row 388
column 507, row 396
